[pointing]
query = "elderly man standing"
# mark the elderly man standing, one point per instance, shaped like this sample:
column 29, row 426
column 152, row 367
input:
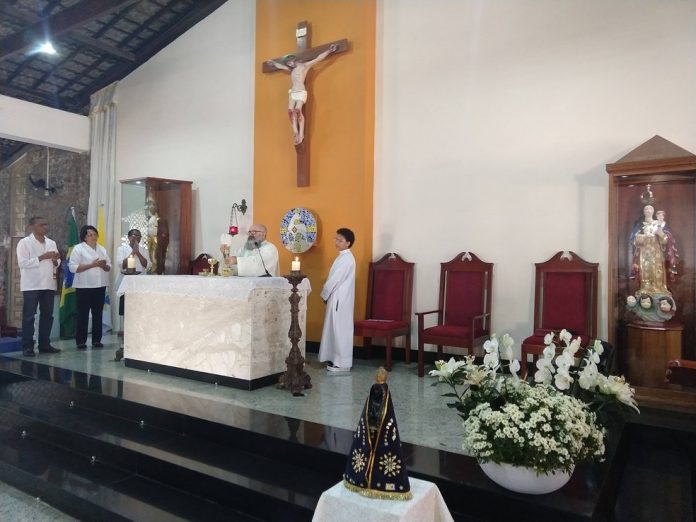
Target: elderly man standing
column 257, row 257
column 38, row 259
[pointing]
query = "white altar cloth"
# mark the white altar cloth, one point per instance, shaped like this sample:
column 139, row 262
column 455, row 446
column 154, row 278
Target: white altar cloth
column 235, row 328
column 338, row 504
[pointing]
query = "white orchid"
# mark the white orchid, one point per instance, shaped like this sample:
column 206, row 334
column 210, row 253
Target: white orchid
column 548, row 338
column 491, row 360
column 563, row 380
column 588, row 376
column 546, row 424
column 565, row 336
column 545, row 371
column 549, row 352
column 514, row 367
column 574, row 346
column 564, row 361
column 598, row 347
column 491, row 345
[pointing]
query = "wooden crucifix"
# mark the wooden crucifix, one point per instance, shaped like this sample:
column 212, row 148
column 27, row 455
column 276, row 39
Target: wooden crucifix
column 298, row 65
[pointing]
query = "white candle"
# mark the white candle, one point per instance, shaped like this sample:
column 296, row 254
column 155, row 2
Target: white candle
column 131, row 262
column 295, row 265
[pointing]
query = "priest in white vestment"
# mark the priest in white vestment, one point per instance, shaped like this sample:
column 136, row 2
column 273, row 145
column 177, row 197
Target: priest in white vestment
column 257, row 257
column 339, row 295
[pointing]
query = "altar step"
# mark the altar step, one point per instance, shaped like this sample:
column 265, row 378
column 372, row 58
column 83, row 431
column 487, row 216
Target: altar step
column 162, row 455
column 93, row 460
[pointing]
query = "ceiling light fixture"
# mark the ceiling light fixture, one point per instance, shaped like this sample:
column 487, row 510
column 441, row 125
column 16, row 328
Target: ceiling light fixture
column 47, row 48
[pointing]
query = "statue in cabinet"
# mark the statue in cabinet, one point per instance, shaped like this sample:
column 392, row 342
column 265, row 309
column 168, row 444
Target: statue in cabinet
column 157, row 238
column 654, row 264
column 161, row 209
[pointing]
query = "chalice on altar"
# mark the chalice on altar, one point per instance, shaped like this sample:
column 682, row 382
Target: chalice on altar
column 211, row 262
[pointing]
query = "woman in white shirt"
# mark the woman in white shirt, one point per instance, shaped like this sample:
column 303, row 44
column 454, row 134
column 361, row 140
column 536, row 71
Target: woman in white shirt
column 90, row 263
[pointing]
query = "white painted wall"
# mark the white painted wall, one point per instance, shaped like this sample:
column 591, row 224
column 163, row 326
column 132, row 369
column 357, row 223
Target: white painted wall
column 188, row 114
column 32, row 123
column 495, row 121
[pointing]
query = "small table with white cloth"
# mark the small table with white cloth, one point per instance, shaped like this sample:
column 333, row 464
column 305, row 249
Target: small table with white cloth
column 338, row 504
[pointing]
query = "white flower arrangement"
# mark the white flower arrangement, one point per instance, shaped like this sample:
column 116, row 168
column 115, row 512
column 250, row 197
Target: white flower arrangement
column 548, row 425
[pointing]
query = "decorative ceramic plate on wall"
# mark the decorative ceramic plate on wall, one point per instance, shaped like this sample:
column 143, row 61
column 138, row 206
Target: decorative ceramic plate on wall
column 298, row 230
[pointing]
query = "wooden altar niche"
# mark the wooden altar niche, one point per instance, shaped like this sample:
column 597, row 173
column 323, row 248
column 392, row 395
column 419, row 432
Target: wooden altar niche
column 173, row 197
column 671, row 172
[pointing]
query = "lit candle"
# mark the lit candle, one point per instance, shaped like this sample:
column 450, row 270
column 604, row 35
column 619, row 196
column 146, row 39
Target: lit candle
column 131, row 263
column 295, row 265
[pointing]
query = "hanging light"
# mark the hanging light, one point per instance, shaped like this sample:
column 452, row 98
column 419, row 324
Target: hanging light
column 234, row 223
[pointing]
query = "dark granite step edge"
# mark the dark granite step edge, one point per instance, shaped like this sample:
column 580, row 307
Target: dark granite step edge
column 267, row 479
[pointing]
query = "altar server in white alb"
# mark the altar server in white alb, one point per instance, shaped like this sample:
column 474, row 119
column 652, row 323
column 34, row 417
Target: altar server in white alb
column 339, row 295
column 258, row 257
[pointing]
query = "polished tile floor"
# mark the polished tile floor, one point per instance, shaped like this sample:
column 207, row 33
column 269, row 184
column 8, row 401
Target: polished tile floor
column 336, row 399
column 17, row 506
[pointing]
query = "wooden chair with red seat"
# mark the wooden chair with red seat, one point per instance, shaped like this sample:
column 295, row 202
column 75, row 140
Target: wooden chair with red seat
column 464, row 307
column 389, row 295
column 565, row 296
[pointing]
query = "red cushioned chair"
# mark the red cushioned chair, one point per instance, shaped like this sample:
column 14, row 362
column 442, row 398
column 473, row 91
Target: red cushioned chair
column 565, row 296
column 389, row 291
column 464, row 309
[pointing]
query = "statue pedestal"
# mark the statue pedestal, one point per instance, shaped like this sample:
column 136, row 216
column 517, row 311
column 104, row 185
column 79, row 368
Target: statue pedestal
column 644, row 361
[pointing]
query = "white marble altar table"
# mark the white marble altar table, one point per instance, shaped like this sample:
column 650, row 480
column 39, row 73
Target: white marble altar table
column 229, row 330
column 338, row 504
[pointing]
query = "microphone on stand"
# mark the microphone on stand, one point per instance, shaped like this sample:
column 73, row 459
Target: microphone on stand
column 257, row 244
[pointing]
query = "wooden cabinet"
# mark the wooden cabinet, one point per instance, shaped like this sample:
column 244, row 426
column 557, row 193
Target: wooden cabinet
column 161, row 210
column 671, row 173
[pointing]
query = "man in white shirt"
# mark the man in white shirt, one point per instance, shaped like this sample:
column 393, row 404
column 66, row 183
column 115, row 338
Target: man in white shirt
column 257, row 257
column 38, row 260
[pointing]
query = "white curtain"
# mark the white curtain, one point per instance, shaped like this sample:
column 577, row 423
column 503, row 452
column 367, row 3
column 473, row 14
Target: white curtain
column 102, row 190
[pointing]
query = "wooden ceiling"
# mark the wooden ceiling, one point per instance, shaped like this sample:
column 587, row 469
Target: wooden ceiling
column 97, row 42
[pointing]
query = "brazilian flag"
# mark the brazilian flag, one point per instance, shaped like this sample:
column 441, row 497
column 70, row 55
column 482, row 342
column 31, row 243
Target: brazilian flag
column 68, row 303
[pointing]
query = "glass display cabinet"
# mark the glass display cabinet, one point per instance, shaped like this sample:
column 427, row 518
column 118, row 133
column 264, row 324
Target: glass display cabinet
column 161, row 210
column 652, row 255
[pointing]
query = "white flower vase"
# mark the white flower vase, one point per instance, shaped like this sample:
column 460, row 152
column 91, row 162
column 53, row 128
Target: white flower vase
column 525, row 480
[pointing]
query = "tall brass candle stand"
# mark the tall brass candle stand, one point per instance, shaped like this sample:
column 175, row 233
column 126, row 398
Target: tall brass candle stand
column 295, row 379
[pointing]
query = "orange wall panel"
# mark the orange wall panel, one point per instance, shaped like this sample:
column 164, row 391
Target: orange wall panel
column 340, row 133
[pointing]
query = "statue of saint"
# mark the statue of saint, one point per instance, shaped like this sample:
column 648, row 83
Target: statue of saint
column 653, row 265
column 648, row 255
column 375, row 466
column 157, row 238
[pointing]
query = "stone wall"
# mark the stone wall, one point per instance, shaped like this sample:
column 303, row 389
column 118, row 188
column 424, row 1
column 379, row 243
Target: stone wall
column 26, row 179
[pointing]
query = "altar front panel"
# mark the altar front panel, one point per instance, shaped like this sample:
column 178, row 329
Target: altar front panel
column 235, row 328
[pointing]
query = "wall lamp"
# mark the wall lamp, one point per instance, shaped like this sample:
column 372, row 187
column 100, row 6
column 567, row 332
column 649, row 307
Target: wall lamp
column 234, row 224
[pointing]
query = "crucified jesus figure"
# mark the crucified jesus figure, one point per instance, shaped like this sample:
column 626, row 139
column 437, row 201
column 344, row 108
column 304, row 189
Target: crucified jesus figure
column 297, row 95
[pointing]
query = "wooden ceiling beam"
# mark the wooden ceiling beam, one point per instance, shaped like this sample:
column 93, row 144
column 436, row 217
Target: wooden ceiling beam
column 73, row 35
column 58, row 24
